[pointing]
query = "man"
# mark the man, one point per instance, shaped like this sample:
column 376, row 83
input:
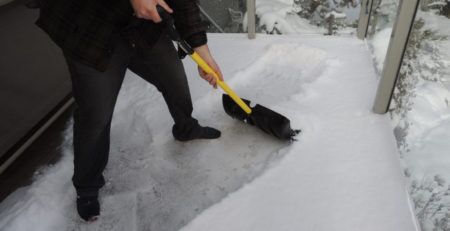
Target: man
column 100, row 39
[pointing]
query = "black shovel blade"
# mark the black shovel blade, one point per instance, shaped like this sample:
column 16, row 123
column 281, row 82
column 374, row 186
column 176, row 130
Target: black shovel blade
column 267, row 120
column 233, row 110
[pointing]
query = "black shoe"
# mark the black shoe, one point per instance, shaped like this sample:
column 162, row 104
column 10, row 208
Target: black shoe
column 199, row 132
column 88, row 208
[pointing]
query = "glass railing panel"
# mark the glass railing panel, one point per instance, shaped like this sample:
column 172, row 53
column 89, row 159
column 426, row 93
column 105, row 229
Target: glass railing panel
column 285, row 16
column 224, row 16
column 421, row 114
column 382, row 20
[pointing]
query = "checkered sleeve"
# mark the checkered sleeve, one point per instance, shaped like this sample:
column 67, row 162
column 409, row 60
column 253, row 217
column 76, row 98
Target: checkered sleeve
column 188, row 22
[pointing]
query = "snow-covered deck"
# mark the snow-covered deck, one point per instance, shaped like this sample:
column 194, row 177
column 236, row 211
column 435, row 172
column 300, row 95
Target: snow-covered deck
column 343, row 174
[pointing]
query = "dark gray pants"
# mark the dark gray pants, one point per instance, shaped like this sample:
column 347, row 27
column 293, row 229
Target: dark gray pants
column 96, row 92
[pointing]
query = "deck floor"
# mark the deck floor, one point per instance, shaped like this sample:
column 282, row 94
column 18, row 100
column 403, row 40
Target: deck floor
column 342, row 174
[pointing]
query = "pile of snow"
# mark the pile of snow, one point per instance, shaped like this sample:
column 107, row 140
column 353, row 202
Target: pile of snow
column 344, row 173
column 380, row 44
column 337, row 15
column 273, row 13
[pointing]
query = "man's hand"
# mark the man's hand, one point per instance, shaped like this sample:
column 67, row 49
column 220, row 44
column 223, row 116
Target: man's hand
column 146, row 9
column 204, row 52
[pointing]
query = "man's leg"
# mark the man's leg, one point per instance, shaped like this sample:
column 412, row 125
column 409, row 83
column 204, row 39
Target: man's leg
column 161, row 66
column 95, row 95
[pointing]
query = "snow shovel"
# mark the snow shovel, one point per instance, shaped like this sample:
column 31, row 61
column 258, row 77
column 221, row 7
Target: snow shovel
column 267, row 120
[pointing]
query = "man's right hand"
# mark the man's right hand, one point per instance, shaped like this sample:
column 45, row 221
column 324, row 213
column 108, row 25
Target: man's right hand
column 146, row 9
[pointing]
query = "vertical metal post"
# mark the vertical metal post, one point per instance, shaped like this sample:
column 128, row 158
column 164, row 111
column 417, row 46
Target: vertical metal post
column 399, row 39
column 364, row 18
column 251, row 19
column 210, row 19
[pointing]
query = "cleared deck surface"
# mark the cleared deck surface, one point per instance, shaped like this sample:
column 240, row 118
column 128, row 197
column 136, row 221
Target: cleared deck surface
column 345, row 161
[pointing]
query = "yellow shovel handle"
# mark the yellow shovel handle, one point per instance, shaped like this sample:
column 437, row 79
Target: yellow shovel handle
column 202, row 64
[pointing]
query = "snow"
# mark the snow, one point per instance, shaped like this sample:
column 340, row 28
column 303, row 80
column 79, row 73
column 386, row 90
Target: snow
column 283, row 17
column 380, row 45
column 421, row 123
column 342, row 174
column 274, row 12
column 348, row 179
column 336, row 15
column 427, row 138
column 281, row 14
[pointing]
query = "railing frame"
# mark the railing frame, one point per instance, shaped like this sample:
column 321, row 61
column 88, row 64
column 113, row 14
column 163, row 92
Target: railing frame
column 364, row 18
column 397, row 46
column 251, row 19
column 203, row 11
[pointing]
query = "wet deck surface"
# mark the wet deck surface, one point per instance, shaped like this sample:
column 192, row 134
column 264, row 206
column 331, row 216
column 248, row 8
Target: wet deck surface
column 43, row 152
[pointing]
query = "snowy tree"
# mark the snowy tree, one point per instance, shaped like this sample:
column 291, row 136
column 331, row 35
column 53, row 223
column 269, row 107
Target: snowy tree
column 383, row 15
column 428, row 195
column 298, row 16
column 346, row 3
column 326, row 13
column 446, row 10
column 434, row 5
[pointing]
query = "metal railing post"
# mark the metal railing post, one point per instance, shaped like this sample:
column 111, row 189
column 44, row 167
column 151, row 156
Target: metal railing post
column 251, row 19
column 364, row 18
column 399, row 39
column 211, row 19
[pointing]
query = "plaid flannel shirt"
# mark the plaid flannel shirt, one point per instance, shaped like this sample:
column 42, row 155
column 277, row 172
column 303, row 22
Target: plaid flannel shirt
column 88, row 29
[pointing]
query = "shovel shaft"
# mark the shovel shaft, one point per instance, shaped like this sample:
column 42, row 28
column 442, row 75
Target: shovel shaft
column 205, row 67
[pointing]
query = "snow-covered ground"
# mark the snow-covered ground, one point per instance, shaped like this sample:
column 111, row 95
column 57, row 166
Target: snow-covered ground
column 342, row 174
